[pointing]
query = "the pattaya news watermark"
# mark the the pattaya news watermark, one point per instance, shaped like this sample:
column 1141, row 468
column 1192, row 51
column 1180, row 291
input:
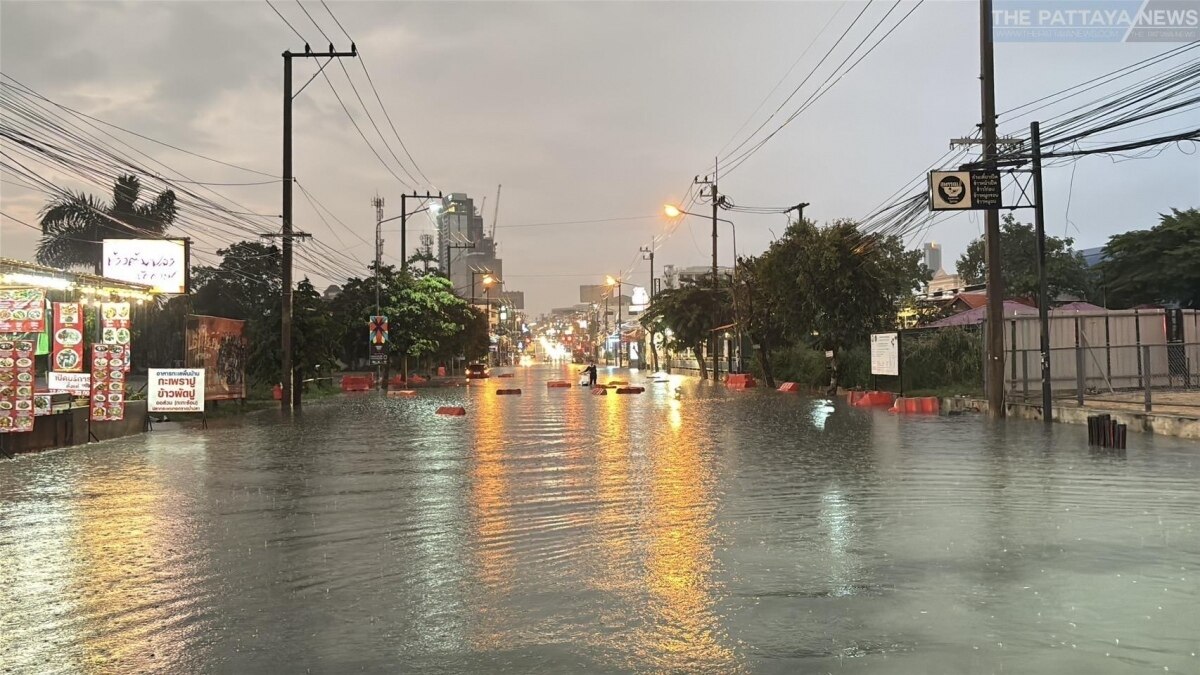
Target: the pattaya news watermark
column 1096, row 20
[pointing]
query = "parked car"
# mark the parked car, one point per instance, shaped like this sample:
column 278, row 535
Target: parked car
column 478, row 371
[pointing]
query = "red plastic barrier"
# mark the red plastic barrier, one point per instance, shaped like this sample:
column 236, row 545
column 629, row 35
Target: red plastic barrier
column 452, row 411
column 558, row 384
column 277, row 393
column 853, row 397
column 508, row 392
column 401, row 393
column 740, row 381
column 505, row 375
column 358, row 382
column 922, row 404
column 599, row 391
column 790, row 387
column 630, row 390
column 873, row 398
column 930, row 404
column 417, row 379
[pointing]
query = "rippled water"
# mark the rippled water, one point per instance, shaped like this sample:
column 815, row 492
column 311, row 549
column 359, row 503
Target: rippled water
column 560, row 532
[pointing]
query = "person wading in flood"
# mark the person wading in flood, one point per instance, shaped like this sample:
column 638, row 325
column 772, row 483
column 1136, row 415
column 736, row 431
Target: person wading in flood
column 591, row 374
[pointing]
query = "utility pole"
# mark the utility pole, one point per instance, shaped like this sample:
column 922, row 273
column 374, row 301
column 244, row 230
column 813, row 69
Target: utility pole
column 995, row 285
column 450, row 260
column 404, row 214
column 648, row 254
column 799, row 209
column 716, row 205
column 1035, row 139
column 292, row 395
column 378, row 204
column 427, row 249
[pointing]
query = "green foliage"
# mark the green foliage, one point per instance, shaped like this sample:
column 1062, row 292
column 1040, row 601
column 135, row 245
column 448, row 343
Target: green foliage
column 1161, row 264
column 948, row 360
column 689, row 313
column 74, row 225
column 1066, row 271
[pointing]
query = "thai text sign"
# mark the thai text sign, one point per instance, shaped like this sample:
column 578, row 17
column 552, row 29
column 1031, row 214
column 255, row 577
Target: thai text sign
column 67, row 355
column 218, row 346
column 79, row 384
column 108, row 382
column 16, row 386
column 885, row 354
column 964, row 190
column 159, row 263
column 22, row 310
column 176, row 390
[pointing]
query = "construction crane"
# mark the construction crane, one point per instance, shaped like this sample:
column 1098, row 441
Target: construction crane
column 495, row 213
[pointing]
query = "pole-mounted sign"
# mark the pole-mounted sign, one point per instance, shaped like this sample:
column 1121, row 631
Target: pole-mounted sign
column 964, row 190
column 377, row 339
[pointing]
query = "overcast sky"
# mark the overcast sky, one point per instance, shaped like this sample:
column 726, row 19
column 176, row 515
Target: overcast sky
column 583, row 111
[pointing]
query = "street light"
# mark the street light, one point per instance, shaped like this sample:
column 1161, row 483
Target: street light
column 673, row 211
column 610, row 281
column 488, row 282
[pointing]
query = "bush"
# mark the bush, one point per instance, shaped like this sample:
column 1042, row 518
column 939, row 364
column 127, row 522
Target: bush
column 947, row 360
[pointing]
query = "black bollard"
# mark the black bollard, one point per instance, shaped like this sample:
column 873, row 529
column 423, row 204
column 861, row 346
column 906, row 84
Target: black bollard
column 1091, row 425
column 1122, row 431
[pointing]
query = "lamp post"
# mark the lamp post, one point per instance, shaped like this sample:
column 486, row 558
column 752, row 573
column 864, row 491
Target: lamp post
column 673, row 211
column 610, row 281
column 488, row 282
column 474, row 273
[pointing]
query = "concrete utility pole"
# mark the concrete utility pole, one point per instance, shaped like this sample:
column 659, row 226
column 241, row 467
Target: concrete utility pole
column 995, row 285
column 378, row 204
column 292, row 395
column 713, row 341
column 1035, row 139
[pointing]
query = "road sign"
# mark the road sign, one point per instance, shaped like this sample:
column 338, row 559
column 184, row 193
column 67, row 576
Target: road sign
column 885, row 353
column 964, row 190
column 377, row 339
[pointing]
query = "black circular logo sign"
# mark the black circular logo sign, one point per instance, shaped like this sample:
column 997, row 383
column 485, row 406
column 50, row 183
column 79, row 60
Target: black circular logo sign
column 951, row 189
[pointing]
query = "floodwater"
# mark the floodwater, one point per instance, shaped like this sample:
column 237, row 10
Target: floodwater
column 557, row 532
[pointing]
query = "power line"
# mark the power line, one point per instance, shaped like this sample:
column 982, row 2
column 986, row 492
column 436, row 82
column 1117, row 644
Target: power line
column 284, row 19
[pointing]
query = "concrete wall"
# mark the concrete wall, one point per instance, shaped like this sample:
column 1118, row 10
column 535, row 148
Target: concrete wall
column 70, row 428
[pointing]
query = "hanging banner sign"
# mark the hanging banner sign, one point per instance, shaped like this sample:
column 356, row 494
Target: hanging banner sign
column 885, row 354
column 218, row 346
column 67, row 355
column 377, row 339
column 159, row 263
column 16, row 386
column 76, row 384
column 114, row 323
column 22, row 310
column 108, row 382
column 176, row 390
column 964, row 190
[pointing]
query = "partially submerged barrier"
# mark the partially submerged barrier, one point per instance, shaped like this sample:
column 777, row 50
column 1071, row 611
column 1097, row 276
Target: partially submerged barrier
column 920, row 404
column 508, row 392
column 790, row 388
column 358, row 382
column 452, row 411
column 740, row 381
column 866, row 399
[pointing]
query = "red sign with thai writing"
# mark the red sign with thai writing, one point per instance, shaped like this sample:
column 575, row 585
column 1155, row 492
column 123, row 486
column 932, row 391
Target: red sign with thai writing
column 22, row 310
column 16, row 385
column 67, row 353
column 114, row 323
column 108, row 382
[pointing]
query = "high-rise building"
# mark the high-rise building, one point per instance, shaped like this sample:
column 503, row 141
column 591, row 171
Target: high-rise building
column 463, row 247
column 933, row 257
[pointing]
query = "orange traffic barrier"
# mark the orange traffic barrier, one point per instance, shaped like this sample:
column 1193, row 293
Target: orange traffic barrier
column 630, row 390
column 790, row 387
column 921, row 404
column 508, row 392
column 505, row 375
column 277, row 393
column 929, row 404
column 599, row 391
column 401, row 393
column 558, row 384
column 740, row 381
column 873, row 398
column 358, row 382
column 452, row 411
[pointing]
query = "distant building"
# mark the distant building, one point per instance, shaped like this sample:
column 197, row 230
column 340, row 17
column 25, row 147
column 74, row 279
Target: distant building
column 514, row 299
column 332, row 292
column 1092, row 256
column 674, row 277
column 933, row 257
column 463, row 247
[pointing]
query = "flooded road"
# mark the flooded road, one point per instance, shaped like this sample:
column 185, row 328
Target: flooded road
column 558, row 532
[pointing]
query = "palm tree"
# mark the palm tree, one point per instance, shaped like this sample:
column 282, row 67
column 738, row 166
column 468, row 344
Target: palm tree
column 75, row 224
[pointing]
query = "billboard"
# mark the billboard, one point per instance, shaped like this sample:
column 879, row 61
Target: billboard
column 159, row 263
column 22, row 310
column 885, row 353
column 176, row 390
column 68, row 338
column 964, row 190
column 217, row 345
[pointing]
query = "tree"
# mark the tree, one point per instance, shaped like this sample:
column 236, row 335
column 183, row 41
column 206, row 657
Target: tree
column 1066, row 271
column 75, row 225
column 687, row 315
column 759, row 308
column 1155, row 265
column 315, row 332
column 834, row 286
